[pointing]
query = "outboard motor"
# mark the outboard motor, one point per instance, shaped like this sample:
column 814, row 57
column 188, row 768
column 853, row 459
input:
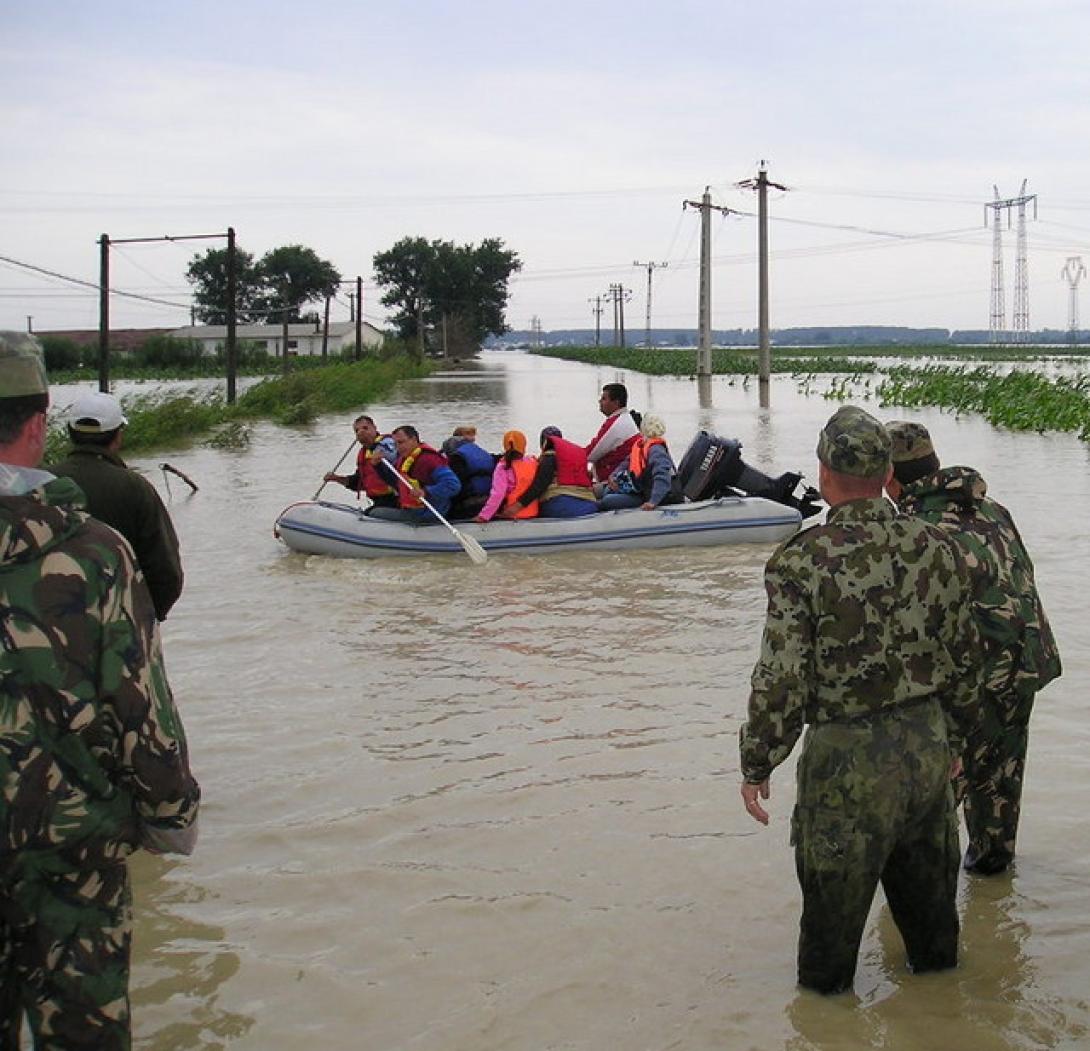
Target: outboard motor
column 713, row 467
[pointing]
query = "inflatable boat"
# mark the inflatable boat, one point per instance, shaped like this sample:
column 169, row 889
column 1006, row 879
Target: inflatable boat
column 345, row 531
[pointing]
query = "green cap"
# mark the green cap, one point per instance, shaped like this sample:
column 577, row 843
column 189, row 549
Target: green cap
column 910, row 441
column 854, row 442
column 22, row 367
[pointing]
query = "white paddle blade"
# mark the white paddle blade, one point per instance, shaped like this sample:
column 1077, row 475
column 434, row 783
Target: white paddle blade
column 472, row 548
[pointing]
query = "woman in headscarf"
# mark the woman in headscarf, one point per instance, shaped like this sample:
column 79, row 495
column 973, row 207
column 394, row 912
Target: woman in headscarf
column 513, row 475
column 648, row 479
column 561, row 482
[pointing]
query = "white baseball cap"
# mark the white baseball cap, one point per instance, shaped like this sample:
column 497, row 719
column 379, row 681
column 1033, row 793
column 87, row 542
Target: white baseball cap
column 94, row 412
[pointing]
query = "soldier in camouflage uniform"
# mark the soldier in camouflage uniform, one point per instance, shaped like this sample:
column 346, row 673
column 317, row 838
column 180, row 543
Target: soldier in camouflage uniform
column 869, row 643
column 1020, row 654
column 93, row 759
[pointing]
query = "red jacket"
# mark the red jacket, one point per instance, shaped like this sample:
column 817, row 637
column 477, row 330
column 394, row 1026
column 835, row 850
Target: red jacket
column 571, row 463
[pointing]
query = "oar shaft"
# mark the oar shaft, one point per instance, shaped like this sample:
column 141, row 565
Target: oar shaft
column 334, row 468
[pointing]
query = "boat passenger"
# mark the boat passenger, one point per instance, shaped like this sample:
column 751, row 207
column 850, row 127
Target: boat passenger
column 610, row 447
column 514, row 474
column 649, row 478
column 420, row 471
column 561, row 481
column 474, row 466
column 367, row 477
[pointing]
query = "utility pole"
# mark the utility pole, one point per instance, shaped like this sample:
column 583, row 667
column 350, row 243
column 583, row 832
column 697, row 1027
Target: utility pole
column 104, row 314
column 359, row 321
column 618, row 294
column 231, row 350
column 351, row 306
column 30, row 324
column 651, row 268
column 1072, row 273
column 997, row 318
column 596, row 310
column 325, row 330
column 704, row 350
column 764, row 353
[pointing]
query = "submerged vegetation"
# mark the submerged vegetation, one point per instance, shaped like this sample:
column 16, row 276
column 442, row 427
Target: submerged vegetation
column 158, row 421
column 1020, row 399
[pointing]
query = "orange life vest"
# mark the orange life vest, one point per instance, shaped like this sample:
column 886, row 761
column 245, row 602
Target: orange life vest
column 525, row 467
column 637, row 459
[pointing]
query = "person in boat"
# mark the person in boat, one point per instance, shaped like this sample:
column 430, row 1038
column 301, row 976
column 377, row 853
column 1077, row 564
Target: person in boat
column 1020, row 655
column 420, row 471
column 367, row 478
column 649, row 478
column 119, row 496
column 561, row 481
column 610, row 447
column 870, row 645
column 474, row 466
column 514, row 474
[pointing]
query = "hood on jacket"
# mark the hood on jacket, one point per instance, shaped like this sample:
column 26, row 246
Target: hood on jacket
column 35, row 522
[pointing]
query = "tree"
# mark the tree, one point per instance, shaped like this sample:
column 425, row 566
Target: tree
column 456, row 290
column 208, row 274
column 285, row 278
column 292, row 277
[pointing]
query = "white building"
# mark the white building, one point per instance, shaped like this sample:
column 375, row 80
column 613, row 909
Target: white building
column 303, row 337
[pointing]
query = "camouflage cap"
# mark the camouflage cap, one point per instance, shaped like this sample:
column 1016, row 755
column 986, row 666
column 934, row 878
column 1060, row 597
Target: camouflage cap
column 910, row 441
column 854, row 442
column 22, row 366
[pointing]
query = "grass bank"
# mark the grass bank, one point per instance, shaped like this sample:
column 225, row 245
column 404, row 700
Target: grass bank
column 157, row 421
column 725, row 361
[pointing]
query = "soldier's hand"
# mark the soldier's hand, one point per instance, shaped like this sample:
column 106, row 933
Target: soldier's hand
column 957, row 768
column 751, row 794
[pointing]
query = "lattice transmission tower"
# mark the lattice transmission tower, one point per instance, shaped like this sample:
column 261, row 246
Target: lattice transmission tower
column 1072, row 273
column 998, row 312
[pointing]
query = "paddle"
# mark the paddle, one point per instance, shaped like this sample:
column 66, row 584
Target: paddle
column 334, row 470
column 469, row 545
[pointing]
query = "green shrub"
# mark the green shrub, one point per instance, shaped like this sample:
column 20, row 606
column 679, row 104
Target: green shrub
column 61, row 353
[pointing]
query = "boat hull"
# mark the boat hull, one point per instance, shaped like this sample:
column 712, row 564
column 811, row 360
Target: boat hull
column 343, row 531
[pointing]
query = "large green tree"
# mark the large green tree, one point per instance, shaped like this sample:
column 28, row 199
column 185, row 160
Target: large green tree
column 455, row 291
column 294, row 276
column 285, row 279
column 207, row 274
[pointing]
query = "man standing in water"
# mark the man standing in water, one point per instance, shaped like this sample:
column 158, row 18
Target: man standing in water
column 93, row 759
column 119, row 496
column 869, row 641
column 1020, row 654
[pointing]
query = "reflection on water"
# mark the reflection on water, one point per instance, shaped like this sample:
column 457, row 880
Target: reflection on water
column 460, row 807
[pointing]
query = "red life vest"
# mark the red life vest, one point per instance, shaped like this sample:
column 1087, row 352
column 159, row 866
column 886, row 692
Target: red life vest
column 374, row 481
column 525, row 467
column 571, row 463
column 408, row 496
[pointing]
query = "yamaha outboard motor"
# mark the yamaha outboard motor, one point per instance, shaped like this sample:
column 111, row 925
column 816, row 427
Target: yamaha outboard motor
column 713, row 467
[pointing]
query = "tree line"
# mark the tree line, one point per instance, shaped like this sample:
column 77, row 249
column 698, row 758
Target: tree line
column 443, row 295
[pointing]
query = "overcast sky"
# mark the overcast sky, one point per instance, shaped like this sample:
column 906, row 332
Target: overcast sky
column 573, row 131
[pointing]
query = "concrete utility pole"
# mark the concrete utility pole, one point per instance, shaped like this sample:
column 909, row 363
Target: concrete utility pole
column 104, row 313
column 596, row 310
column 764, row 354
column 618, row 294
column 231, row 350
column 704, row 350
column 1072, row 273
column 359, row 323
column 651, row 268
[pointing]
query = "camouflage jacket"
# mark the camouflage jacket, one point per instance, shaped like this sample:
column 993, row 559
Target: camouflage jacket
column 866, row 613
column 1020, row 650
column 93, row 758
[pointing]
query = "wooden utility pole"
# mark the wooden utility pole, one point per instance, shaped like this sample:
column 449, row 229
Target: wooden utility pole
column 764, row 356
column 704, row 349
column 231, row 350
column 104, row 314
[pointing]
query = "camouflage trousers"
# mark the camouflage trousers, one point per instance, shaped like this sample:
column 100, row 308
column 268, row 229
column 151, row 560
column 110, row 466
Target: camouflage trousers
column 65, row 935
column 991, row 787
column 875, row 804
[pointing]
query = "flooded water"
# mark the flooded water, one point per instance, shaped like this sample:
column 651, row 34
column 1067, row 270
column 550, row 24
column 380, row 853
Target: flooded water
column 480, row 808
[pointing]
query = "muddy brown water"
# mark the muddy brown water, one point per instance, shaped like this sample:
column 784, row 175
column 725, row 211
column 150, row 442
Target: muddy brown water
column 471, row 809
